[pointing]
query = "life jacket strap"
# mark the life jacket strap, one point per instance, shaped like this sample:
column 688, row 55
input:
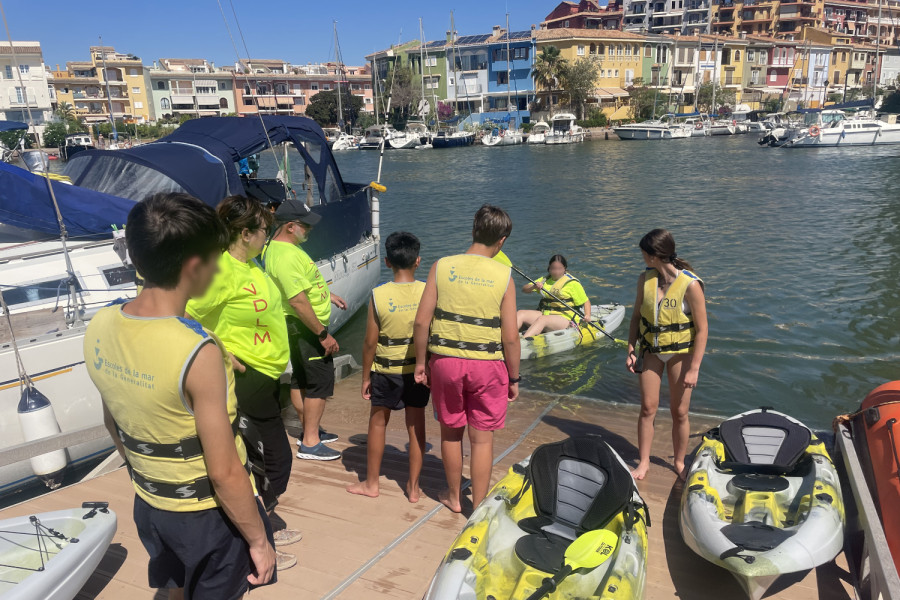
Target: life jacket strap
column 400, row 362
column 186, row 449
column 669, row 347
column 444, row 315
column 199, row 489
column 490, row 347
column 387, row 341
column 651, row 328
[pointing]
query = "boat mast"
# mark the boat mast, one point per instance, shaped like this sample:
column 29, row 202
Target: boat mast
column 422, row 66
column 112, row 119
column 715, row 68
column 455, row 79
column 508, row 73
column 337, row 56
column 877, row 46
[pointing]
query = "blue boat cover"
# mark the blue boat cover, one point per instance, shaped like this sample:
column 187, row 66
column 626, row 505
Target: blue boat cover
column 12, row 125
column 690, row 114
column 25, row 202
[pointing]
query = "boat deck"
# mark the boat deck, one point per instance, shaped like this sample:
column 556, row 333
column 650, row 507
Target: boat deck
column 355, row 547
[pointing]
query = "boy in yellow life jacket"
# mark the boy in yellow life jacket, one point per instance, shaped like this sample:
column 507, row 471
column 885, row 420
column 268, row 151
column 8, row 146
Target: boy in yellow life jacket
column 467, row 321
column 167, row 387
column 389, row 361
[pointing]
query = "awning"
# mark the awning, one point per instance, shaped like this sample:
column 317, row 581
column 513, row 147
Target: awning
column 623, row 112
column 610, row 93
column 12, row 125
column 265, row 102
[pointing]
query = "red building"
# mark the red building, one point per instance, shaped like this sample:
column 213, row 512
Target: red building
column 586, row 14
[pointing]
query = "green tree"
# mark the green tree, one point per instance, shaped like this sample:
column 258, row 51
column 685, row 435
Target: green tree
column 773, row 103
column 11, row 139
column 323, row 108
column 403, row 87
column 579, row 80
column 66, row 113
column 55, row 134
column 891, row 103
column 705, row 97
column 643, row 98
column 365, row 120
column 596, row 118
column 548, row 70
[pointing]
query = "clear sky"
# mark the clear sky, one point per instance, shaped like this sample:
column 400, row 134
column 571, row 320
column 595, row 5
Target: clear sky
column 298, row 31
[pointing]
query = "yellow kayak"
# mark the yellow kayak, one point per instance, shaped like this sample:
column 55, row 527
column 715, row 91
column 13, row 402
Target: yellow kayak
column 607, row 316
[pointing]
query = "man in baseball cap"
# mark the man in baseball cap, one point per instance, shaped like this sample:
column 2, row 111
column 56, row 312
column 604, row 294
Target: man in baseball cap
column 306, row 301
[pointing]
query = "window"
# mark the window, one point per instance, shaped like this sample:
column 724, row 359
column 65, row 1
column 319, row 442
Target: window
column 20, row 95
column 580, row 50
column 599, row 48
column 751, row 55
column 119, row 276
column 133, row 72
column 593, row 49
column 326, row 86
column 9, row 71
column 566, row 23
column 314, row 86
column 223, row 102
column 160, row 85
column 502, row 78
column 617, row 73
column 23, row 69
column 754, row 77
column 36, row 291
column 773, row 76
column 212, row 90
column 500, row 55
column 520, row 53
column 301, row 101
column 139, row 105
column 629, row 76
column 619, row 50
column 648, row 52
column 662, row 54
column 737, row 56
column 135, row 90
column 367, row 100
column 430, row 61
column 165, row 104
column 837, row 77
column 224, row 85
column 368, row 86
column 628, row 50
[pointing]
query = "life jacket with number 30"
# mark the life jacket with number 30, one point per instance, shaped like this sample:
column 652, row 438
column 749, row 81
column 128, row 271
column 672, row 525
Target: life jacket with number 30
column 665, row 328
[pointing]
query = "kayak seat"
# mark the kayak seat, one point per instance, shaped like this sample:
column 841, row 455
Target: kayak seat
column 763, row 442
column 755, row 536
column 578, row 485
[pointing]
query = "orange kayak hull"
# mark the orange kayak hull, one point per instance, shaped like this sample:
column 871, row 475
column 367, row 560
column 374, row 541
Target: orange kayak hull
column 880, row 420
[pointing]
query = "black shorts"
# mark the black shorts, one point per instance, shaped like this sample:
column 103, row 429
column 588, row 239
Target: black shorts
column 201, row 551
column 398, row 391
column 313, row 370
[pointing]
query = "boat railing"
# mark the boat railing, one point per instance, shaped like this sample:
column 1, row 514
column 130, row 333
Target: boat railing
column 52, row 443
column 866, row 546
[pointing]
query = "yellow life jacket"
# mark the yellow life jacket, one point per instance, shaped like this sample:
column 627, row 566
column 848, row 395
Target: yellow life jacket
column 139, row 366
column 665, row 328
column 551, row 306
column 396, row 305
column 466, row 320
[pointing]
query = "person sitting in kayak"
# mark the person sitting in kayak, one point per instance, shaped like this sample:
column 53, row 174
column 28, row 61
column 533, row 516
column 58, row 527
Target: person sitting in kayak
column 668, row 332
column 552, row 314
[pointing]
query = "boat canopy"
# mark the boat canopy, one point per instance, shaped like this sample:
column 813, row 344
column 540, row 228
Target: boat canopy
column 12, row 125
column 690, row 114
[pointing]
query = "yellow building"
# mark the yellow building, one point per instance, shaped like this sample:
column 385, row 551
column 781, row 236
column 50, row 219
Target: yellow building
column 84, row 86
column 852, row 66
column 618, row 53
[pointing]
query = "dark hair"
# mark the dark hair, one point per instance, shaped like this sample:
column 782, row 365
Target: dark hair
column 490, row 225
column 240, row 212
column 661, row 244
column 165, row 230
column 557, row 258
column 402, row 249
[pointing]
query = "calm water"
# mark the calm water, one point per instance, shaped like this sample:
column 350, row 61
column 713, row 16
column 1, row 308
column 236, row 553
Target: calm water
column 799, row 250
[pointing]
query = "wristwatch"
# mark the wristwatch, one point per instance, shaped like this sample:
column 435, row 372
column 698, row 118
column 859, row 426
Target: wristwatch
column 323, row 334
column 515, row 379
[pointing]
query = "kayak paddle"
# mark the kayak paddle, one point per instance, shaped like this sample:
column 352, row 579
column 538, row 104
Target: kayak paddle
column 574, row 309
column 588, row 551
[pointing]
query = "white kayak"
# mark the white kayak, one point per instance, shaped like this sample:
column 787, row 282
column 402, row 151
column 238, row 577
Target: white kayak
column 762, row 499
column 50, row 556
column 607, row 316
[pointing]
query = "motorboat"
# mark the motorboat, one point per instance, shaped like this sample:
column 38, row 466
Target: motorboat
column 75, row 143
column 780, row 127
column 664, row 128
column 331, row 134
column 416, row 134
column 539, row 132
column 374, row 136
column 345, row 141
column 451, row 139
column 199, row 158
column 835, row 128
column 722, row 127
column 564, row 130
column 499, row 136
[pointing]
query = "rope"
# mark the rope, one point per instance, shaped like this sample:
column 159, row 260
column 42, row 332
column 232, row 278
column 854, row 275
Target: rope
column 24, row 380
column 846, row 418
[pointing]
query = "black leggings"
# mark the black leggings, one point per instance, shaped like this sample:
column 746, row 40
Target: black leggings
column 258, row 397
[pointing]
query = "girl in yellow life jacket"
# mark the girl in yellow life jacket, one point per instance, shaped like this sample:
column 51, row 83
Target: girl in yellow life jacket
column 551, row 314
column 668, row 333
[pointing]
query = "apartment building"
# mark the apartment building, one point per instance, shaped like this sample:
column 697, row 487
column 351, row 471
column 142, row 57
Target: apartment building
column 193, row 86
column 24, row 85
column 586, row 14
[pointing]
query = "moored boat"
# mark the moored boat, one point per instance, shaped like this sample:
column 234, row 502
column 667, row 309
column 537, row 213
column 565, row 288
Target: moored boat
column 416, row 134
column 564, row 130
column 607, row 316
column 50, row 556
column 516, row 539
column 835, row 128
column 75, row 143
column 502, row 137
column 452, row 139
column 538, row 134
column 762, row 499
column 664, row 128
column 374, row 136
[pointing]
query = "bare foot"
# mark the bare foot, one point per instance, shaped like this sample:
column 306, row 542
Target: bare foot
column 681, row 470
column 444, row 498
column 640, row 471
column 413, row 493
column 363, row 489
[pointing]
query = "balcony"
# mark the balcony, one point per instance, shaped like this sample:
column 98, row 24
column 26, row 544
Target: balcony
column 858, row 64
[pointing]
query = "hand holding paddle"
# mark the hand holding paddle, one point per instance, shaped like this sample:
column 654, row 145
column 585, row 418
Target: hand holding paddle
column 574, row 309
column 589, row 551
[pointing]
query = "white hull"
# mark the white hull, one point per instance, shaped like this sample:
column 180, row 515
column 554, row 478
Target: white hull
column 56, row 363
column 721, row 129
column 646, row 133
column 509, row 138
column 537, row 138
column 566, row 138
column 405, row 142
column 881, row 134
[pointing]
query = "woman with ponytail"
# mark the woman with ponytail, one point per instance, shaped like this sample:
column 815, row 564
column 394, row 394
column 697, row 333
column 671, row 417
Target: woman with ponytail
column 668, row 333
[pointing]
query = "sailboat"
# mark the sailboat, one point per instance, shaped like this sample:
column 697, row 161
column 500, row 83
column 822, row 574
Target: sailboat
column 511, row 135
column 343, row 140
column 447, row 137
column 416, row 134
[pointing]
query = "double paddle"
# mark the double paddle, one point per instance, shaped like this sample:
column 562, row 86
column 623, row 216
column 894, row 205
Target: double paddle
column 588, row 551
column 574, row 309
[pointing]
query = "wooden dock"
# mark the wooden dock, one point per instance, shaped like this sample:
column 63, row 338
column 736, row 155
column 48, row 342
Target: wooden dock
column 360, row 548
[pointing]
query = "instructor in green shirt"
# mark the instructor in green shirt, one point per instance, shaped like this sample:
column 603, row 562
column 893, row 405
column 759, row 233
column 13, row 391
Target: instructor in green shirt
column 306, row 302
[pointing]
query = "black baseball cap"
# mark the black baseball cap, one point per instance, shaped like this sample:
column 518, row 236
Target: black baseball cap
column 295, row 210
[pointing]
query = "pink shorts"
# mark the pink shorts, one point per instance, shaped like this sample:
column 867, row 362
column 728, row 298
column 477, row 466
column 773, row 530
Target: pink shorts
column 469, row 392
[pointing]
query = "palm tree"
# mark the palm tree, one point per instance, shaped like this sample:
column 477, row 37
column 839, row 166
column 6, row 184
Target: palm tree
column 548, row 69
column 66, row 112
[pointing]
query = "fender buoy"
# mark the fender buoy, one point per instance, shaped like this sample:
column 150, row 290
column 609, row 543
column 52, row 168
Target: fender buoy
column 698, row 125
column 814, row 131
column 734, row 122
column 37, row 420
